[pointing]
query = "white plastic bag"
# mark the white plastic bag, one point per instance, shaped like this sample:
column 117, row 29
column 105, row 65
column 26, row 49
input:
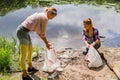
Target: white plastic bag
column 94, row 58
column 51, row 62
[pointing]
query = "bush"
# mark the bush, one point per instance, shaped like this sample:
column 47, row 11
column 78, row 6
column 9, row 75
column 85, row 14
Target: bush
column 10, row 54
column 7, row 48
column 4, row 58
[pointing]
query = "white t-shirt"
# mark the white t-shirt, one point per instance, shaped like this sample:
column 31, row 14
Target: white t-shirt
column 36, row 23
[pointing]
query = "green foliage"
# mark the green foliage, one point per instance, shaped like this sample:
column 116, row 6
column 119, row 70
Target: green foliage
column 4, row 58
column 12, row 5
column 36, row 49
column 15, row 55
column 15, row 62
column 8, row 52
column 5, row 51
column 6, row 77
column 39, row 50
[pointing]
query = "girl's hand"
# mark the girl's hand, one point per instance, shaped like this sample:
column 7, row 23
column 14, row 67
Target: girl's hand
column 49, row 45
column 93, row 44
column 88, row 45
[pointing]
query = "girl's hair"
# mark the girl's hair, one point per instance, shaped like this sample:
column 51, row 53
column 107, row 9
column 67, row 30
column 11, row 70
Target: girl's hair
column 52, row 10
column 88, row 21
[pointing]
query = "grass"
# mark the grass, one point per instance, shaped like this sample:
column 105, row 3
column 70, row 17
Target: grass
column 9, row 54
column 17, row 77
column 7, row 77
column 10, row 57
column 5, row 51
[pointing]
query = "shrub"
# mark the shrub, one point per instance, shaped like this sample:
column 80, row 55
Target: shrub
column 7, row 50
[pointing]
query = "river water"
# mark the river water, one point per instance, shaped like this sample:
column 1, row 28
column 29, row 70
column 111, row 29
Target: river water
column 65, row 29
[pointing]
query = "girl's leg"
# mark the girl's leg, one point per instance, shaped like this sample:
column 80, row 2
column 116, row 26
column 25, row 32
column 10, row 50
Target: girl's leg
column 23, row 50
column 30, row 51
column 23, row 37
column 97, row 46
column 85, row 50
column 31, row 68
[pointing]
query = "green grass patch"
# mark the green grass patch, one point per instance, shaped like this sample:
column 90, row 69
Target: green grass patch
column 8, row 52
column 10, row 76
column 10, row 57
column 6, row 77
column 5, row 51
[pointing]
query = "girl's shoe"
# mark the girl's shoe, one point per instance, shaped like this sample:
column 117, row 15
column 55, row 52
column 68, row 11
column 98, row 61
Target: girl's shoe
column 26, row 78
column 33, row 70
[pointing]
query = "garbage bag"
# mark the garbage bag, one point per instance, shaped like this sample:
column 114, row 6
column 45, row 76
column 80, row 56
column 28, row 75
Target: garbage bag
column 94, row 58
column 51, row 61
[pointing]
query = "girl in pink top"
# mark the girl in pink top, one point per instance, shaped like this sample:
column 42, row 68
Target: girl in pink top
column 34, row 23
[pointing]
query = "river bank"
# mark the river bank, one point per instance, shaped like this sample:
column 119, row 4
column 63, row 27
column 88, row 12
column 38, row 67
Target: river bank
column 75, row 67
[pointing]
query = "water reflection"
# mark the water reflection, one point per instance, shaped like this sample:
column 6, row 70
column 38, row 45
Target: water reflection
column 7, row 6
column 65, row 30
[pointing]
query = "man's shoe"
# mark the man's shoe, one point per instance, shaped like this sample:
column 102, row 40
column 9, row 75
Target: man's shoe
column 26, row 78
column 33, row 70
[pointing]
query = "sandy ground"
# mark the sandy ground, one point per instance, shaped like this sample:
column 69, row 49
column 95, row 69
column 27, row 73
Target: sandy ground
column 74, row 68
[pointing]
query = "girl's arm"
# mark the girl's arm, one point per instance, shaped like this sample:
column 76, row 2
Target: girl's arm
column 47, row 43
column 96, row 42
column 97, row 37
column 86, row 43
column 85, row 39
